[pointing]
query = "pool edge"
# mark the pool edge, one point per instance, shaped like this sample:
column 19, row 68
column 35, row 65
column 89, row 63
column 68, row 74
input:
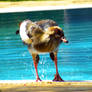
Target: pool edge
column 44, row 84
column 9, row 7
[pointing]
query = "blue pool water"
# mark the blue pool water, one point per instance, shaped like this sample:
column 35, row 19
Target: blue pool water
column 74, row 58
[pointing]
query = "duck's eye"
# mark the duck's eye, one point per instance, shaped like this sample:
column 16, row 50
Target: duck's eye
column 59, row 32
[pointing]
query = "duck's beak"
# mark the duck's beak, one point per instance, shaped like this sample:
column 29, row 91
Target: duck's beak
column 64, row 40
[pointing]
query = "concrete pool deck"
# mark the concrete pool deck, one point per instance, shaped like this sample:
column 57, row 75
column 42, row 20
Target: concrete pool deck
column 46, row 86
column 42, row 5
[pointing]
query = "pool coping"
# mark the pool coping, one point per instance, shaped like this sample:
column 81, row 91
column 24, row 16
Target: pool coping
column 26, row 83
column 25, row 6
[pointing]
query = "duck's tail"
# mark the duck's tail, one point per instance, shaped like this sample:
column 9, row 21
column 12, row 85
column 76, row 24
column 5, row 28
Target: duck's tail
column 17, row 32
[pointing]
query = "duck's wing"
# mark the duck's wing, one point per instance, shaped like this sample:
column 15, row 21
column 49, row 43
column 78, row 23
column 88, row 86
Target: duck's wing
column 30, row 32
column 44, row 24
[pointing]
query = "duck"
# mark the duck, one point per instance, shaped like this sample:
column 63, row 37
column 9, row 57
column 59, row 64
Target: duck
column 43, row 36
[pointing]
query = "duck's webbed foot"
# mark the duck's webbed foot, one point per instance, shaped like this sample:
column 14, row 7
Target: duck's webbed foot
column 38, row 80
column 58, row 78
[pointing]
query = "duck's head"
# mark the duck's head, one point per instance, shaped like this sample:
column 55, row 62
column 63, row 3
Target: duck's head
column 58, row 33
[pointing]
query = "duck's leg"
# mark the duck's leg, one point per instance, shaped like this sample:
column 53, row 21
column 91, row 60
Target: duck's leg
column 36, row 61
column 54, row 58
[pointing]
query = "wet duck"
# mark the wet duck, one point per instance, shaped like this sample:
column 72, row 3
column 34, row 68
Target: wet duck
column 42, row 36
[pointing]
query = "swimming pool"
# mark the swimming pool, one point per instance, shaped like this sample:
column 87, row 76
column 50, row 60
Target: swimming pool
column 74, row 59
